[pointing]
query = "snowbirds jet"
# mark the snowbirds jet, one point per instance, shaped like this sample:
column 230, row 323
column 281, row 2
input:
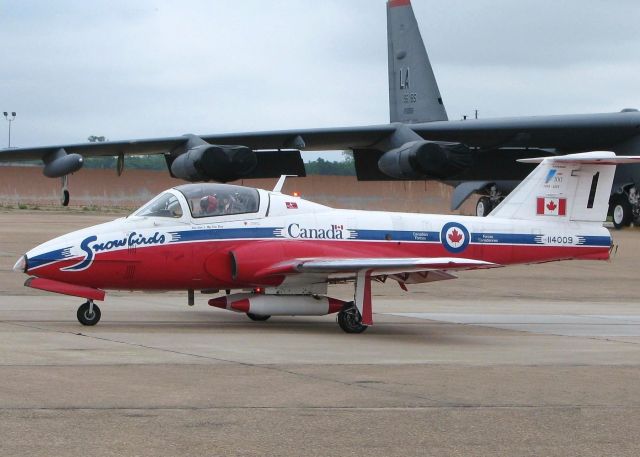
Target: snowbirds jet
column 281, row 252
column 420, row 142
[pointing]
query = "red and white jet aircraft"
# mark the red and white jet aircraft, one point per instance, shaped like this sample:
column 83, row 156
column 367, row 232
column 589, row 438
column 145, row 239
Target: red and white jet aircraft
column 280, row 252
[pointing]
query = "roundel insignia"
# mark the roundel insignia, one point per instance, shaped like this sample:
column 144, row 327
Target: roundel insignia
column 454, row 237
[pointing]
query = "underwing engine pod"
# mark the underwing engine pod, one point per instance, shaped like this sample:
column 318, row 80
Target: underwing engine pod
column 202, row 161
column 59, row 164
column 425, row 159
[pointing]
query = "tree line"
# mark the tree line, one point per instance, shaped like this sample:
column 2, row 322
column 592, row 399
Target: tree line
column 319, row 166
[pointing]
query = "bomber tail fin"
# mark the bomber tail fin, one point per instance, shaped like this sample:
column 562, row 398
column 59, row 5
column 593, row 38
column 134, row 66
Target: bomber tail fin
column 413, row 91
column 574, row 187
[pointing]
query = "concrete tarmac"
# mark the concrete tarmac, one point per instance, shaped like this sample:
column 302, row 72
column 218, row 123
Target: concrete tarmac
column 531, row 360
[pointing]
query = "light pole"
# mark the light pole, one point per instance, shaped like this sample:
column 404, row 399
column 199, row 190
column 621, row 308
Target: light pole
column 10, row 119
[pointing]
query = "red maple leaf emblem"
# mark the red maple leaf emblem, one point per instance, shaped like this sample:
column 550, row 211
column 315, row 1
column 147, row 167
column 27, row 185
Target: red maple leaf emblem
column 455, row 237
column 551, row 206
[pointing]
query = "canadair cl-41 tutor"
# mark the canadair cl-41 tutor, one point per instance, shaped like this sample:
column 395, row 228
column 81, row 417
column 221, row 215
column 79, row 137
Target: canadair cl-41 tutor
column 279, row 253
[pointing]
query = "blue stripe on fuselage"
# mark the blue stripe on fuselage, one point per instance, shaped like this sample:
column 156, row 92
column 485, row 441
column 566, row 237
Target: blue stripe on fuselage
column 223, row 234
column 377, row 235
column 48, row 257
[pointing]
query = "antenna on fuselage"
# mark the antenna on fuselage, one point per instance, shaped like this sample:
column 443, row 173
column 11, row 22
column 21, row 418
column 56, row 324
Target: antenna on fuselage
column 280, row 183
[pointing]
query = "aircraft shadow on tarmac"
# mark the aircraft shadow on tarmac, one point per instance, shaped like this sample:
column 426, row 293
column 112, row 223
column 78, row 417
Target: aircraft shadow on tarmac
column 407, row 332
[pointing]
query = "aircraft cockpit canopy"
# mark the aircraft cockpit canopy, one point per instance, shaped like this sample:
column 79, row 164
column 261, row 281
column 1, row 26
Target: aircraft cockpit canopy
column 203, row 200
column 208, row 200
column 164, row 205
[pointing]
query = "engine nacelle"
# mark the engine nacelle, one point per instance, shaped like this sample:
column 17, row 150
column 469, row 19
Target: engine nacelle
column 425, row 159
column 278, row 305
column 208, row 162
column 59, row 163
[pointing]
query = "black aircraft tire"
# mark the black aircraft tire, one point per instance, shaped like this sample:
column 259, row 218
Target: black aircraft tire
column 483, row 207
column 88, row 319
column 349, row 321
column 257, row 317
column 621, row 212
column 65, row 198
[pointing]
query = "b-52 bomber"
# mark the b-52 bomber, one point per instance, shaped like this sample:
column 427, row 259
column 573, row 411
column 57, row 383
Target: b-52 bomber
column 419, row 143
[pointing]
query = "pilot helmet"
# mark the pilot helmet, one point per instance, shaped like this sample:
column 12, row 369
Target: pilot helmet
column 208, row 203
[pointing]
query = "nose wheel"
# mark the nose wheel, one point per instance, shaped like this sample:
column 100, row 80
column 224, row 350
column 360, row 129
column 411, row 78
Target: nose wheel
column 88, row 313
column 350, row 321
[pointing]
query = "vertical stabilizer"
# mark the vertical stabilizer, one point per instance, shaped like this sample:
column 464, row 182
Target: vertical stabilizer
column 413, row 91
column 574, row 187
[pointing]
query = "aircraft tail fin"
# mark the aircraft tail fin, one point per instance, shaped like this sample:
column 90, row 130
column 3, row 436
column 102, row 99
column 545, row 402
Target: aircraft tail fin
column 574, row 187
column 413, row 91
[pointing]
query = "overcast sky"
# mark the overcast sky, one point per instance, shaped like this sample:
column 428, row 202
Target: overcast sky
column 146, row 68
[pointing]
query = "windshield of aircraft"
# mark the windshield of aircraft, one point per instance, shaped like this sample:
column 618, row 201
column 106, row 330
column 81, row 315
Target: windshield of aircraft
column 164, row 205
column 207, row 200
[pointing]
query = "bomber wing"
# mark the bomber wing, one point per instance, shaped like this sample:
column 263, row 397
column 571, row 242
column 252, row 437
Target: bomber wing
column 563, row 132
column 560, row 132
column 307, row 139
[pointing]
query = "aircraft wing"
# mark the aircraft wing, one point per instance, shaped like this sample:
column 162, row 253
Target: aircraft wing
column 376, row 266
column 313, row 139
column 564, row 132
column 590, row 131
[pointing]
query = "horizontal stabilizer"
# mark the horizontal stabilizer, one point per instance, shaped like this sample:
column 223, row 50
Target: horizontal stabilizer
column 587, row 158
column 573, row 187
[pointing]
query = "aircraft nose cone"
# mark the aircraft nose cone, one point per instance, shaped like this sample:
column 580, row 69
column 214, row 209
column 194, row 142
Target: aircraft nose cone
column 21, row 265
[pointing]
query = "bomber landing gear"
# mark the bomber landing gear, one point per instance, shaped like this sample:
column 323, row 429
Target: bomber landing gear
column 491, row 198
column 88, row 313
column 257, row 317
column 621, row 212
column 64, row 195
column 624, row 207
column 483, row 207
column 350, row 321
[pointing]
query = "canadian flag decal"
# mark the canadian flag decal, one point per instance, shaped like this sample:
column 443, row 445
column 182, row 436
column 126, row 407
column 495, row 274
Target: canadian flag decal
column 550, row 206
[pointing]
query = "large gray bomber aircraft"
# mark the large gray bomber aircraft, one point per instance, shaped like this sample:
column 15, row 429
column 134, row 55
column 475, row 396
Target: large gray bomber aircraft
column 420, row 143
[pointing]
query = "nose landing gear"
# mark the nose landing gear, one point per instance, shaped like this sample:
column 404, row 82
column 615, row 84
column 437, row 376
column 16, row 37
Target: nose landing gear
column 88, row 313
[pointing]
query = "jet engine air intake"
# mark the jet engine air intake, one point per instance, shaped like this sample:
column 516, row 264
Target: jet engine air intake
column 425, row 159
column 58, row 163
column 208, row 162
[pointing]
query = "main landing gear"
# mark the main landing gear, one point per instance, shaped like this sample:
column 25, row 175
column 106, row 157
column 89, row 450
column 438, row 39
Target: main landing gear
column 349, row 319
column 257, row 317
column 488, row 201
column 88, row 313
column 624, row 206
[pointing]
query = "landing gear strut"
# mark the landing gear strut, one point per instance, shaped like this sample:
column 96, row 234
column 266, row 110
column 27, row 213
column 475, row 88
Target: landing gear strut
column 349, row 319
column 64, row 195
column 88, row 313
